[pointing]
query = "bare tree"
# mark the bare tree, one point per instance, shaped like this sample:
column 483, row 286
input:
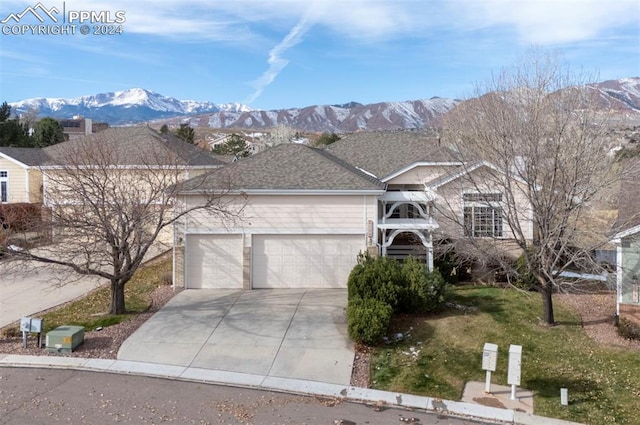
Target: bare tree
column 107, row 205
column 543, row 137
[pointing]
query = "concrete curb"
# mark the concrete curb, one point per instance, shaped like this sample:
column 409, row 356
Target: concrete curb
column 294, row 386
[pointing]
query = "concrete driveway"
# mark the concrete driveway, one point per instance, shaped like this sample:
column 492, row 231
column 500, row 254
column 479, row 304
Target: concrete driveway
column 288, row 333
column 28, row 289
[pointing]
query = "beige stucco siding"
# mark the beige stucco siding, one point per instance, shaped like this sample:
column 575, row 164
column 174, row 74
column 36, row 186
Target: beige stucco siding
column 290, row 213
column 17, row 181
column 449, row 211
column 420, row 174
column 35, row 185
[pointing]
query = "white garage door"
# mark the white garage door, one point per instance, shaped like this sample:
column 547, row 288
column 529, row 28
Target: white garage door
column 304, row 261
column 213, row 261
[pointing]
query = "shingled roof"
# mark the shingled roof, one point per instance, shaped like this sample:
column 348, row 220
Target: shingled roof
column 383, row 153
column 131, row 146
column 125, row 146
column 286, row 167
column 629, row 198
column 28, row 156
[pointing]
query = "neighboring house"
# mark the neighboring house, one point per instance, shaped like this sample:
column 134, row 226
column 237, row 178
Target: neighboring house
column 224, row 139
column 627, row 240
column 20, row 175
column 308, row 212
column 80, row 126
column 31, row 174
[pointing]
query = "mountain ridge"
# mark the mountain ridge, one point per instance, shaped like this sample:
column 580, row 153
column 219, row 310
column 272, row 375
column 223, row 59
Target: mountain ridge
column 137, row 105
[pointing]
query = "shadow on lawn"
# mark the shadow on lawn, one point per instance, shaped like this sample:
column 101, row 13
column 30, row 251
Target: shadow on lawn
column 580, row 390
column 470, row 301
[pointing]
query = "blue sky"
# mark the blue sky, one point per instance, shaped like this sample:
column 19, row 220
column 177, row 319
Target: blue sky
column 282, row 54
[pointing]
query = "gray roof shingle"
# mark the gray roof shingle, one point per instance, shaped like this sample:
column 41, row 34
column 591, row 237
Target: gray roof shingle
column 129, row 146
column 383, row 153
column 29, row 156
column 132, row 146
column 286, row 167
column 629, row 197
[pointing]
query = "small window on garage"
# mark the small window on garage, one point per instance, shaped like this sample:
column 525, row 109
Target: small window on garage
column 4, row 186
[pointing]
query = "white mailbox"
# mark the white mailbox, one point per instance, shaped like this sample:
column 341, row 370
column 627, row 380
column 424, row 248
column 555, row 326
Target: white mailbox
column 515, row 362
column 489, row 357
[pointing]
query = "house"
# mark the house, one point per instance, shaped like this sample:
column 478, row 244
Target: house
column 216, row 142
column 627, row 241
column 36, row 175
column 20, row 175
column 307, row 212
column 80, row 126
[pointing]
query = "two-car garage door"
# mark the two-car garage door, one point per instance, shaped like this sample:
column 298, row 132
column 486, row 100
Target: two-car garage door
column 304, row 261
column 277, row 261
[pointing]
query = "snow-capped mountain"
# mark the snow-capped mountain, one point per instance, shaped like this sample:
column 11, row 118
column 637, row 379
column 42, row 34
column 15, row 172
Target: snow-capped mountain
column 122, row 107
column 137, row 105
column 340, row 118
column 622, row 94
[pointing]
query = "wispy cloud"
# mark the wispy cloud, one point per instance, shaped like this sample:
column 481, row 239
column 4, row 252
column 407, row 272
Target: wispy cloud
column 549, row 22
column 275, row 61
column 37, row 74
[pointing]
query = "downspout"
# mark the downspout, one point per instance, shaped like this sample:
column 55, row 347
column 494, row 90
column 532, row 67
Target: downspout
column 618, row 280
column 384, row 231
column 27, row 188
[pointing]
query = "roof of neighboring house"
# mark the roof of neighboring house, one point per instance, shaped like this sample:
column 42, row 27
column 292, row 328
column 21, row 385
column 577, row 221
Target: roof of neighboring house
column 629, row 198
column 129, row 146
column 27, row 156
column 383, row 153
column 287, row 167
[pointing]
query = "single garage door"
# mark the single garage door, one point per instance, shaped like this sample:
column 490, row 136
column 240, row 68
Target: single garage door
column 213, row 261
column 304, row 261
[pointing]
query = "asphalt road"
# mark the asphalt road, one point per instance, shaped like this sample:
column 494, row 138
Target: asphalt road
column 46, row 396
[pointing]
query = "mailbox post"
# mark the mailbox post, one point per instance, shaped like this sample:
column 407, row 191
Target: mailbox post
column 515, row 362
column 489, row 361
column 31, row 325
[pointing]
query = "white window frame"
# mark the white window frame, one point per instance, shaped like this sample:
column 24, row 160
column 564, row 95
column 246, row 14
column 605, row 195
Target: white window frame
column 4, row 186
column 486, row 214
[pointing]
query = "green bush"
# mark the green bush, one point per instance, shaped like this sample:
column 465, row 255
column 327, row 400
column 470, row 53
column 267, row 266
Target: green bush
column 368, row 320
column 424, row 291
column 379, row 278
column 453, row 267
column 628, row 329
column 524, row 278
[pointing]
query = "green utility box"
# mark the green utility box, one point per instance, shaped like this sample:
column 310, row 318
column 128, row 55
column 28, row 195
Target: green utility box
column 64, row 339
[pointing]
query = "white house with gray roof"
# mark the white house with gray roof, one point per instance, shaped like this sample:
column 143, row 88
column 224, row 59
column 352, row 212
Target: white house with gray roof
column 308, row 212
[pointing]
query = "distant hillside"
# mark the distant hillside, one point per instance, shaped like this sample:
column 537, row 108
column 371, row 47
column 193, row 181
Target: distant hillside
column 139, row 105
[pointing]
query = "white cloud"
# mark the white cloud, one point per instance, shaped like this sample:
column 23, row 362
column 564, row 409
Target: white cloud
column 535, row 21
column 549, row 22
column 276, row 62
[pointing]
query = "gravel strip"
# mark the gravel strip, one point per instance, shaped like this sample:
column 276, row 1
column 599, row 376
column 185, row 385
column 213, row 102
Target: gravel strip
column 597, row 315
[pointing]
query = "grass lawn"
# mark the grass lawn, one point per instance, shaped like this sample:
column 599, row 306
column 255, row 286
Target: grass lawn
column 89, row 311
column 603, row 383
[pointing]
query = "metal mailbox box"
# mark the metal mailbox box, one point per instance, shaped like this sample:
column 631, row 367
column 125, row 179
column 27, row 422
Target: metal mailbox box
column 31, row 324
column 489, row 357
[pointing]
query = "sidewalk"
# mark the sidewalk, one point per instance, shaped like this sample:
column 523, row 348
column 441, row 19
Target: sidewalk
column 294, row 386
